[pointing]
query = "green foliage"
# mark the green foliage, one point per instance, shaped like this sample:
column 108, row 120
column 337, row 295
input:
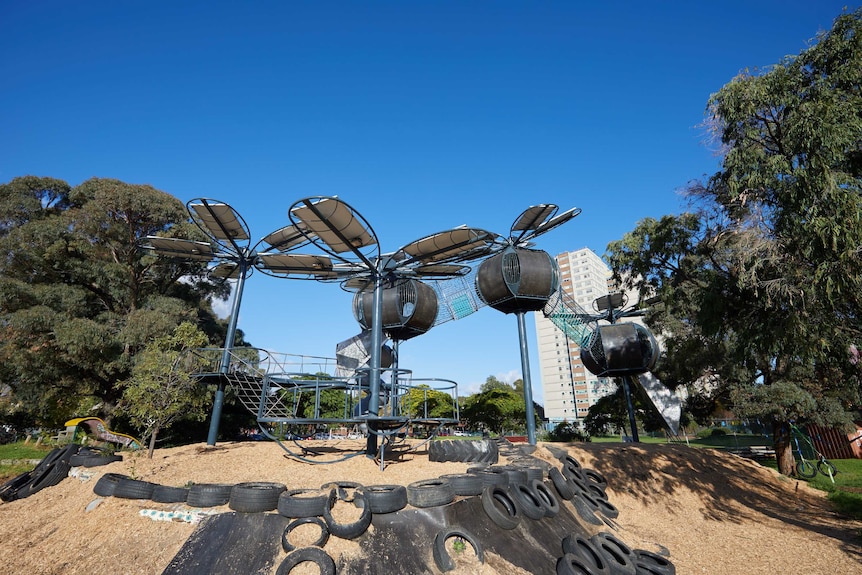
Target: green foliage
column 566, row 432
column 78, row 298
column 759, row 284
column 159, row 392
column 422, row 402
column 498, row 410
column 492, row 383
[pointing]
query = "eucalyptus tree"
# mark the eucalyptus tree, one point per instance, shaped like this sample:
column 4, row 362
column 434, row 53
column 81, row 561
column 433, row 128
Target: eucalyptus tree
column 78, row 298
column 760, row 283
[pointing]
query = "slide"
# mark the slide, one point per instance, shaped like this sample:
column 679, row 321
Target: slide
column 98, row 429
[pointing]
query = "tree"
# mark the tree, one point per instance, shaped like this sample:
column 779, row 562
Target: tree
column 78, row 298
column 497, row 409
column 492, row 383
column 162, row 390
column 423, row 402
column 759, row 284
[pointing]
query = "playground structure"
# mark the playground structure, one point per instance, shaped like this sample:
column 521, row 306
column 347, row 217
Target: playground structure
column 99, row 430
column 397, row 295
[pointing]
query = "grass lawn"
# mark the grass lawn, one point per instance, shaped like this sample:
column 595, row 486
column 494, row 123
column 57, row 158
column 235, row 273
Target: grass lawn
column 20, row 450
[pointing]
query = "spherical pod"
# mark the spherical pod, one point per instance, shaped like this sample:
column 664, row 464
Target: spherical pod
column 409, row 308
column 517, row 280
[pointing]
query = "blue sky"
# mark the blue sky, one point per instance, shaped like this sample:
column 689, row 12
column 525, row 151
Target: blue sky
column 421, row 115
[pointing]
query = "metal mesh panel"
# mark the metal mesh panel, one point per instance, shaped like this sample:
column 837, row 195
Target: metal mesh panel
column 457, row 297
column 570, row 318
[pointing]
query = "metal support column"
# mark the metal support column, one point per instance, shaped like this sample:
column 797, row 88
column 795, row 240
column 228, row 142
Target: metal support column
column 528, row 386
column 374, row 372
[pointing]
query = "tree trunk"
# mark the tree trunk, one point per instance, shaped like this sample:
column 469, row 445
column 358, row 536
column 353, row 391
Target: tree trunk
column 153, row 442
column 783, row 448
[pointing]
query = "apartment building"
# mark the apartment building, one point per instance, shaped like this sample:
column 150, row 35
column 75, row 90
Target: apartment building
column 569, row 388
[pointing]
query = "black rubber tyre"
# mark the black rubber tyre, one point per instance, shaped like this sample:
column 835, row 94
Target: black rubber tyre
column 570, row 564
column 653, row 563
column 9, row 491
column 569, row 461
column 805, row 469
column 209, row 494
column 596, row 491
column 430, row 493
column 441, row 555
column 546, row 495
column 574, row 473
column 94, row 460
column 346, row 530
column 316, row 555
column 561, row 484
column 484, row 451
column 491, row 476
column 255, row 496
column 465, row 484
column 301, row 503
column 827, row 468
column 608, row 509
column 385, row 498
column 346, row 490
column 321, row 541
column 620, row 557
column 528, row 500
column 593, row 476
column 107, row 483
column 582, row 547
column 51, row 475
column 584, row 510
column 134, row 489
column 516, row 474
column 510, row 516
column 165, row 494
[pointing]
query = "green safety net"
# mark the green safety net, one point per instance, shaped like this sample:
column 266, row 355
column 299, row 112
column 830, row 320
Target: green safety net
column 570, row 318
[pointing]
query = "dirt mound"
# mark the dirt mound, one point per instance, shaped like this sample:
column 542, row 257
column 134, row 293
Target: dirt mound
column 712, row 512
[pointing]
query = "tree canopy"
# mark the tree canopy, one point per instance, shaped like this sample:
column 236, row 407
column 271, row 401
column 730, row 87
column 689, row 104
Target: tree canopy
column 78, row 299
column 760, row 282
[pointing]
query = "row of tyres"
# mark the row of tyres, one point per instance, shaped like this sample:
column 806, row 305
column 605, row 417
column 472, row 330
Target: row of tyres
column 53, row 468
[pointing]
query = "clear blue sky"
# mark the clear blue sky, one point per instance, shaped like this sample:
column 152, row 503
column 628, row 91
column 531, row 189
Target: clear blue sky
column 422, row 115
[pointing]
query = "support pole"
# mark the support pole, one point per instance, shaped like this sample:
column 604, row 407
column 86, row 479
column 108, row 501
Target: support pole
column 528, row 386
column 224, row 367
column 374, row 371
column 631, row 409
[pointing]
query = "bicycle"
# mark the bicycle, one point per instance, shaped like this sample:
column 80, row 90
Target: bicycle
column 808, row 468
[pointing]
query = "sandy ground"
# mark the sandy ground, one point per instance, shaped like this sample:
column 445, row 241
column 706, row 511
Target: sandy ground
column 712, row 512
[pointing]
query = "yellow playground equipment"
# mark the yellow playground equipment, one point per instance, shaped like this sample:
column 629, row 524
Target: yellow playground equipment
column 99, row 430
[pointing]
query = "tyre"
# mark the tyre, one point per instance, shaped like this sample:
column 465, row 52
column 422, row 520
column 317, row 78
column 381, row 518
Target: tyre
column 483, row 451
column 608, row 509
column 584, row 511
column 430, row 493
column 805, row 469
column 50, row 476
column 94, row 460
column 547, row 497
column 569, row 461
column 574, row 473
column 107, row 483
column 346, row 530
column 315, row 555
column 596, row 491
column 385, row 498
column 165, row 494
column 9, row 491
column 493, row 498
column 255, row 496
column 528, row 500
column 301, row 503
column 570, row 564
column 561, row 484
column 466, row 484
column 827, row 468
column 516, row 474
column 593, row 476
column 652, row 563
column 580, row 546
column 134, row 489
column 321, row 541
column 209, row 494
column 491, row 476
column 620, row 557
column 346, row 490
column 441, row 555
